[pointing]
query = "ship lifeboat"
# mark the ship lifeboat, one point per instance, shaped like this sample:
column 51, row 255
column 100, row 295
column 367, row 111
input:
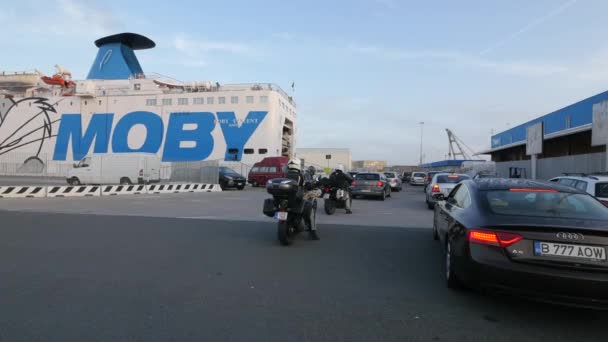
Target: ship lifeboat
column 57, row 79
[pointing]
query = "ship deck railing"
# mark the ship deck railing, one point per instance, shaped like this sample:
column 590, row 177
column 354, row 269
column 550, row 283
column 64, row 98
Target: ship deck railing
column 213, row 87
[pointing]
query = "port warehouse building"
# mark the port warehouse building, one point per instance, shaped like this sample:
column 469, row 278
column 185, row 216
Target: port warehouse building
column 566, row 143
column 325, row 158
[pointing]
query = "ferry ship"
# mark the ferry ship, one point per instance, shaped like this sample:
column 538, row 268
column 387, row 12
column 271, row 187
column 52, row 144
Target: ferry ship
column 50, row 121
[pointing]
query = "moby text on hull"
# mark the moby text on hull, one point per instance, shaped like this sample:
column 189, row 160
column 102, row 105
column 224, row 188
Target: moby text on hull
column 120, row 109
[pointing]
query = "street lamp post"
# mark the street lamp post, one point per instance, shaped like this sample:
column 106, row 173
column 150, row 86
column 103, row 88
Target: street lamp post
column 421, row 123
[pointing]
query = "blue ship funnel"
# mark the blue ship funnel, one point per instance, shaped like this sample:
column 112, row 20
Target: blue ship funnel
column 115, row 59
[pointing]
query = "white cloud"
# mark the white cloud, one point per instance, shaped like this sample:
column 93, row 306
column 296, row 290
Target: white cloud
column 195, row 47
column 536, row 22
column 520, row 68
column 595, row 69
column 77, row 19
column 86, row 14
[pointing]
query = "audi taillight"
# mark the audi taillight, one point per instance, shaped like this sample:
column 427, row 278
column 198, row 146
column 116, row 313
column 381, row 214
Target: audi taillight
column 380, row 184
column 435, row 188
column 604, row 202
column 327, row 189
column 488, row 237
column 354, row 183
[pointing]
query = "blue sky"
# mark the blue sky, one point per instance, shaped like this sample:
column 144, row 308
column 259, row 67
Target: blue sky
column 366, row 71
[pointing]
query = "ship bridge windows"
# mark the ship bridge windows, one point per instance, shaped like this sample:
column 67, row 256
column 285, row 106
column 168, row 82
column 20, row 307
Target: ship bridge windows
column 199, row 100
column 150, row 102
column 264, row 99
column 234, row 99
column 249, row 99
column 221, row 100
column 182, row 101
column 262, row 150
column 248, row 151
column 210, row 100
column 167, row 102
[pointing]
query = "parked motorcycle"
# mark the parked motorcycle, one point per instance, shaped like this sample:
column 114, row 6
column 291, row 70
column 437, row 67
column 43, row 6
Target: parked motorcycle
column 287, row 206
column 335, row 198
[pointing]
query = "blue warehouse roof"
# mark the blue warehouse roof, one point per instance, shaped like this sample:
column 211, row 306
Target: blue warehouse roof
column 570, row 119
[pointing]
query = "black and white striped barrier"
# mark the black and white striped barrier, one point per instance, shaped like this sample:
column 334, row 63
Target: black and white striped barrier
column 107, row 190
column 103, row 190
column 73, row 191
column 186, row 187
column 22, row 191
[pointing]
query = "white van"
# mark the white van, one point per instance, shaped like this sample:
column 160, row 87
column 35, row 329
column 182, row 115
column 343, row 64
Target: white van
column 119, row 168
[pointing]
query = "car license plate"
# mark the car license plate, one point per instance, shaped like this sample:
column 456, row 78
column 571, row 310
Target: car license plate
column 326, row 196
column 280, row 215
column 365, row 190
column 570, row 251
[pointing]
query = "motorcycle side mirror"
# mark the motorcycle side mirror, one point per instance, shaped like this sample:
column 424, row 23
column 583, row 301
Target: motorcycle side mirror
column 439, row 197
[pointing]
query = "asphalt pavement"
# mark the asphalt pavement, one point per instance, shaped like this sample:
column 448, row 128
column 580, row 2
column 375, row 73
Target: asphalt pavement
column 106, row 277
column 402, row 209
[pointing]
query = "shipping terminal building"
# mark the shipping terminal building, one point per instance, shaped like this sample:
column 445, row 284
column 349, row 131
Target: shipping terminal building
column 566, row 143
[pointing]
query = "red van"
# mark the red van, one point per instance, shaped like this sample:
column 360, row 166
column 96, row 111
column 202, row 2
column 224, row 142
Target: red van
column 268, row 168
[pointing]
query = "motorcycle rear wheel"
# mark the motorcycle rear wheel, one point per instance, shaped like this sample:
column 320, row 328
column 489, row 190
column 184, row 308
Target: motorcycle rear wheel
column 330, row 206
column 285, row 233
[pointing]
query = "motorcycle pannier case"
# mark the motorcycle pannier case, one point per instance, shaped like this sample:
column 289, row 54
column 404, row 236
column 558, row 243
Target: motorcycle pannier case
column 269, row 208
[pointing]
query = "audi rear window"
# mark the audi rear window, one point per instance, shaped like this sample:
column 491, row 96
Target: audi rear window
column 419, row 174
column 544, row 204
column 368, row 176
column 390, row 175
column 451, row 179
column 601, row 189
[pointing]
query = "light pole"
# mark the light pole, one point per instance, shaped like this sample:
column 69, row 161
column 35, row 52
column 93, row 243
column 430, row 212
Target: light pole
column 421, row 123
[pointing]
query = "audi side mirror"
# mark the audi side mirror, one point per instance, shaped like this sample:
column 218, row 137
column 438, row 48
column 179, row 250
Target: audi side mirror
column 439, row 197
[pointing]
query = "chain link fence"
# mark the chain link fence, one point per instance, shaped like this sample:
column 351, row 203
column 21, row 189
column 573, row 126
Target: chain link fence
column 191, row 172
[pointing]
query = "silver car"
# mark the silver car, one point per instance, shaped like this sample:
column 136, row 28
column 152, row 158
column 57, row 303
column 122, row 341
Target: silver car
column 418, row 178
column 393, row 180
column 442, row 183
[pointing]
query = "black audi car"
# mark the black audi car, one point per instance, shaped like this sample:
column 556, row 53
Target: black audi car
column 231, row 179
column 535, row 239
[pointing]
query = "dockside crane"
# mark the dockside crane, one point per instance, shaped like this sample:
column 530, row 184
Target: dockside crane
column 466, row 153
